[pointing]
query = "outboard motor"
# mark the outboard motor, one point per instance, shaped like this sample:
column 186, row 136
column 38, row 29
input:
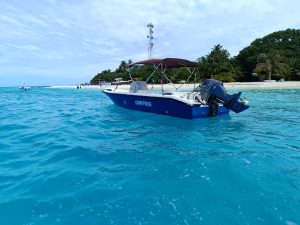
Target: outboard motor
column 213, row 92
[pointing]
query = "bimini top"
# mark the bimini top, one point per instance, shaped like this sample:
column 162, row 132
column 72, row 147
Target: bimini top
column 166, row 63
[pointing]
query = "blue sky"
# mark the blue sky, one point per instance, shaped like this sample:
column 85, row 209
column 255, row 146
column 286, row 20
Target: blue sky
column 51, row 42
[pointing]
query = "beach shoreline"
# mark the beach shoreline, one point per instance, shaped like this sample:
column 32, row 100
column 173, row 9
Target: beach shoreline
column 231, row 85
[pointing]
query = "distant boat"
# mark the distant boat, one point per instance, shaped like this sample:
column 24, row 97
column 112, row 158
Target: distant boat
column 208, row 99
column 24, row 88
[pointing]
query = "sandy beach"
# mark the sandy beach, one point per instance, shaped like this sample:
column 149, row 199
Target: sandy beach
column 235, row 85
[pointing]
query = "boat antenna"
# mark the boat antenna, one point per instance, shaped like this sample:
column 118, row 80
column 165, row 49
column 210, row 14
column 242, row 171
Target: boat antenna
column 150, row 37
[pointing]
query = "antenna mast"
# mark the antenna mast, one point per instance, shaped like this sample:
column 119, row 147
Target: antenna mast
column 150, row 36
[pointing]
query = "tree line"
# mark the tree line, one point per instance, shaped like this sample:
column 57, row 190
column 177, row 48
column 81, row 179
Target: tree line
column 275, row 56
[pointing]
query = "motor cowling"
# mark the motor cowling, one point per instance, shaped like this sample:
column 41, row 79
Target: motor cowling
column 213, row 91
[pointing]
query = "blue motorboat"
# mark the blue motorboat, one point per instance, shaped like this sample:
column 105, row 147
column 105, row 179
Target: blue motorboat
column 208, row 99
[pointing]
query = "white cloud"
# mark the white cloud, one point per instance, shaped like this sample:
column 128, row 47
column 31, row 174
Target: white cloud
column 73, row 34
column 24, row 47
column 9, row 20
column 61, row 22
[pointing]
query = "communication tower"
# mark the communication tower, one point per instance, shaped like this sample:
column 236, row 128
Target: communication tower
column 150, row 37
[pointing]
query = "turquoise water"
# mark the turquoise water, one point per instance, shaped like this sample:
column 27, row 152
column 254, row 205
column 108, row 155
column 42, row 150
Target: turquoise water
column 72, row 157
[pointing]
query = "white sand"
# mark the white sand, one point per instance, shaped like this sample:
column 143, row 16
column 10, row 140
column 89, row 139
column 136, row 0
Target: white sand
column 264, row 85
column 238, row 85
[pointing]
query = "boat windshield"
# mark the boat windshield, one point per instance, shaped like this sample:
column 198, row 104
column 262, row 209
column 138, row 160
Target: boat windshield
column 135, row 86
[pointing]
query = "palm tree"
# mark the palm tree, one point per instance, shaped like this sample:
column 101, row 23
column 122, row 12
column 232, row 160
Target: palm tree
column 269, row 63
column 216, row 62
column 203, row 67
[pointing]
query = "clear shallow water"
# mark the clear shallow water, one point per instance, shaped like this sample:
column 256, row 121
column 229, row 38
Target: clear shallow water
column 64, row 159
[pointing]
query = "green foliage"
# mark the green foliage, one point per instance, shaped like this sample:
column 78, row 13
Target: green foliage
column 139, row 73
column 178, row 75
column 225, row 77
column 218, row 65
column 108, row 75
column 272, row 63
column 294, row 64
column 274, row 56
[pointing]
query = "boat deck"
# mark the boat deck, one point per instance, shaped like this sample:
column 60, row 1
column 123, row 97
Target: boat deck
column 186, row 97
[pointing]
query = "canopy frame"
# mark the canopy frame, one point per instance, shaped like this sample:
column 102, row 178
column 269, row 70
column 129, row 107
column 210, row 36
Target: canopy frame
column 163, row 65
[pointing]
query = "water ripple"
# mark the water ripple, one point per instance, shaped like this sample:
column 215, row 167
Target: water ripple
column 65, row 159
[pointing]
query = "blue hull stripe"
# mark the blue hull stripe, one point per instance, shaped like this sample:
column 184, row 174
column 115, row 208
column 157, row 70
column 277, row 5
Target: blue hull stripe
column 165, row 106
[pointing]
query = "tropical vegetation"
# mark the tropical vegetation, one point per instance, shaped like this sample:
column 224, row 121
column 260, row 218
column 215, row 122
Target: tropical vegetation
column 275, row 56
